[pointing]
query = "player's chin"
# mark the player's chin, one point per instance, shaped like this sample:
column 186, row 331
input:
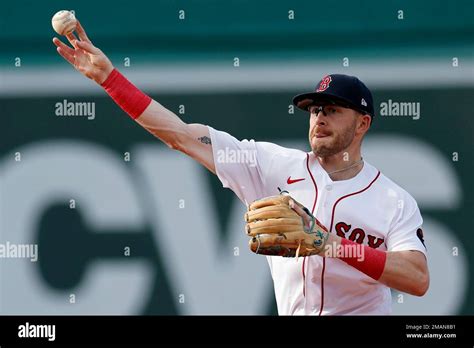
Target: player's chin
column 322, row 147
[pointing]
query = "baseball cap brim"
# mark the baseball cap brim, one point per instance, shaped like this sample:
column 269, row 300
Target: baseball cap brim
column 305, row 100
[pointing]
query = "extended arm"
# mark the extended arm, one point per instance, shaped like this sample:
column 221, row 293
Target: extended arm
column 191, row 139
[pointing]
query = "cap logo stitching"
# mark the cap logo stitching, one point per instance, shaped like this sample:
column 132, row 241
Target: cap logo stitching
column 324, row 84
column 363, row 102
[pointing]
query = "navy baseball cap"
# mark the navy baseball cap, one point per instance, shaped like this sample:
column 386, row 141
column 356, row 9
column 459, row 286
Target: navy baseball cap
column 344, row 90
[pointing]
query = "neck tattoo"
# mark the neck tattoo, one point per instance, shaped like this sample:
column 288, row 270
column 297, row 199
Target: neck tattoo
column 351, row 166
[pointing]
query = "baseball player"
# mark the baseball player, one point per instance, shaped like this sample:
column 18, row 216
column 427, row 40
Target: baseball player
column 348, row 232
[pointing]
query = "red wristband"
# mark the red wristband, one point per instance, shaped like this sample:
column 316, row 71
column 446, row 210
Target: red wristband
column 371, row 261
column 125, row 94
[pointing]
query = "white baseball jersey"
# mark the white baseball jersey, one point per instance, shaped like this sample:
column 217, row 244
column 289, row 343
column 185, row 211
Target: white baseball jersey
column 368, row 208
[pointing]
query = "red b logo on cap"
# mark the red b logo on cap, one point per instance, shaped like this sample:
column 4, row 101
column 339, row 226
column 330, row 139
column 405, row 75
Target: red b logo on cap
column 324, row 83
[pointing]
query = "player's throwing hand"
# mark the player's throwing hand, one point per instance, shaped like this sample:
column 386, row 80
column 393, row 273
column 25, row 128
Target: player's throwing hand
column 84, row 56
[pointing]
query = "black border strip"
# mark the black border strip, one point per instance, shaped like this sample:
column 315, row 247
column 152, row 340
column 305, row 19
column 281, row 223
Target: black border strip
column 139, row 330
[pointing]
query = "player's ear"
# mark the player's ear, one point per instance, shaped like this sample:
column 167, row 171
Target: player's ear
column 363, row 123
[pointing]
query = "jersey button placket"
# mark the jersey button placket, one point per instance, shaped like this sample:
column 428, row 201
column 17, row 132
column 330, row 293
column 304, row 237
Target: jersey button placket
column 311, row 301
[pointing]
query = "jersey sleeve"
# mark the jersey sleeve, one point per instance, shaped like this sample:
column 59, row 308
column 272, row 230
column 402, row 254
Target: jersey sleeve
column 406, row 232
column 242, row 165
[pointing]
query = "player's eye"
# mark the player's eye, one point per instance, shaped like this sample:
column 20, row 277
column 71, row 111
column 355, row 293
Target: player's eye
column 330, row 111
column 315, row 110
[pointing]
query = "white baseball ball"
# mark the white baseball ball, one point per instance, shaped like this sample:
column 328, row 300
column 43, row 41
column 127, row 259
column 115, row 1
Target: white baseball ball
column 64, row 22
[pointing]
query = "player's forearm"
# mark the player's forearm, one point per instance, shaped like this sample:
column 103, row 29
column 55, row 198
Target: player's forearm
column 163, row 124
column 191, row 139
column 403, row 270
column 151, row 115
column 406, row 271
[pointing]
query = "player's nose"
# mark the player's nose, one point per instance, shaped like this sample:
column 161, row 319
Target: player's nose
column 320, row 117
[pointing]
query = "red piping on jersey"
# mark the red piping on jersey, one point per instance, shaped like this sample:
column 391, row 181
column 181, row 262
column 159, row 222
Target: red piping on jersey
column 314, row 182
column 330, row 229
column 322, row 286
column 312, row 212
column 350, row 194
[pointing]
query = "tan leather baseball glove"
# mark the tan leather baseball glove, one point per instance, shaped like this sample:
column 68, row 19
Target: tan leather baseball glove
column 279, row 225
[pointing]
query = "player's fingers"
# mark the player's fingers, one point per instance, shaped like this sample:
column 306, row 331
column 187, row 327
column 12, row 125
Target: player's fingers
column 297, row 208
column 72, row 39
column 63, row 46
column 82, row 33
column 305, row 215
column 66, row 55
column 88, row 47
column 301, row 212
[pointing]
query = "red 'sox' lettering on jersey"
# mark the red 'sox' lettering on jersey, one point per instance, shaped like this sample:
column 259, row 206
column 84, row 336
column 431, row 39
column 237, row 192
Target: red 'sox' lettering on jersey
column 358, row 235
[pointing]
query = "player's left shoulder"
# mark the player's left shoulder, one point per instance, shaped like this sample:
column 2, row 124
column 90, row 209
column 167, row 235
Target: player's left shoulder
column 390, row 188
